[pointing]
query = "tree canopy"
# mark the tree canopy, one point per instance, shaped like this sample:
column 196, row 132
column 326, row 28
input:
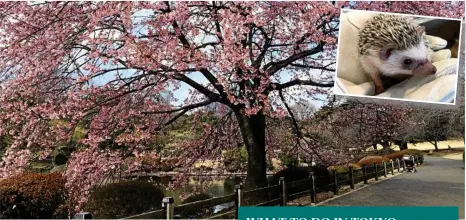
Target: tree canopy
column 113, row 68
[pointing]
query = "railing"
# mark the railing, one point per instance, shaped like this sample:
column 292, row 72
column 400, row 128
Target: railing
column 276, row 195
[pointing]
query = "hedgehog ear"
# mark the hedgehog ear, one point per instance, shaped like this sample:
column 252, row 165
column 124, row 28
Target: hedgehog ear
column 420, row 30
column 386, row 51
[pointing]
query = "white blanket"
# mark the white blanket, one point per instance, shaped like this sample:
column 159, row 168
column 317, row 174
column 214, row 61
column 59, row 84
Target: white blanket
column 352, row 80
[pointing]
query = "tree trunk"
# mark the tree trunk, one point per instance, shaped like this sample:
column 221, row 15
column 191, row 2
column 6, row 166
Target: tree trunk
column 435, row 145
column 403, row 145
column 253, row 132
column 385, row 144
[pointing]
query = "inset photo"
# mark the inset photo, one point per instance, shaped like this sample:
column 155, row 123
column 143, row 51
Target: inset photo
column 398, row 56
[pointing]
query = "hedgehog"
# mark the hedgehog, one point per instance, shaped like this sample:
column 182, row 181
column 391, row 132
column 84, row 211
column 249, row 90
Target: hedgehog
column 394, row 46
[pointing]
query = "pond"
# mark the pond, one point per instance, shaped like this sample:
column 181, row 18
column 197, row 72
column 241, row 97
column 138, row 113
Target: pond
column 215, row 188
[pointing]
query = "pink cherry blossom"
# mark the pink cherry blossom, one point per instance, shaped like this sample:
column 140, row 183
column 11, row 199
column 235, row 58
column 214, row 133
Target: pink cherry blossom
column 108, row 72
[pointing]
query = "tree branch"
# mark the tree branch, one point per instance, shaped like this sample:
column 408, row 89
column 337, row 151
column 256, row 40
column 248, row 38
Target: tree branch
column 273, row 67
column 299, row 134
column 276, row 86
column 197, row 86
column 313, row 67
column 187, row 107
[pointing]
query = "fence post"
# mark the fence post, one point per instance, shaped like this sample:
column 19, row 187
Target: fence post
column 384, row 169
column 398, row 162
column 364, row 173
column 393, row 167
column 351, row 175
column 313, row 187
column 167, row 204
column 283, row 184
column 376, row 172
column 404, row 166
column 238, row 194
column 335, row 182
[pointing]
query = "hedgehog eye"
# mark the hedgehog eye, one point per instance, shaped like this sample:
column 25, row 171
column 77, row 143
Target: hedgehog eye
column 408, row 61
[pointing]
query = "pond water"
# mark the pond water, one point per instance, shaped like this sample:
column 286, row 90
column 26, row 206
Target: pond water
column 216, row 188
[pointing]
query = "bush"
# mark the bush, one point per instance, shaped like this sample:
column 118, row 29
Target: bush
column 413, row 152
column 32, row 196
column 343, row 169
column 297, row 173
column 393, row 156
column 370, row 160
column 119, row 200
column 287, row 160
column 235, row 159
column 199, row 213
column 343, row 172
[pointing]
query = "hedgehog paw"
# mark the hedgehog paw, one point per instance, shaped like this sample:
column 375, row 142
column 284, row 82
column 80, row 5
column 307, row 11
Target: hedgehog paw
column 378, row 90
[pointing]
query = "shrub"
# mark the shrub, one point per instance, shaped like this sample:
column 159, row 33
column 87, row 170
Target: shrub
column 124, row 199
column 235, row 159
column 343, row 172
column 297, row 173
column 287, row 160
column 395, row 155
column 369, row 160
column 32, row 196
column 199, row 213
column 343, row 169
column 413, row 152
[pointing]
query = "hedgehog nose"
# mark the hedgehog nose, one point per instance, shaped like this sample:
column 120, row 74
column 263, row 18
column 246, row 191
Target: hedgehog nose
column 434, row 70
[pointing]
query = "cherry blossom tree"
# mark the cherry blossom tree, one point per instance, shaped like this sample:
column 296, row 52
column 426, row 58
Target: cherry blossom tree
column 354, row 126
column 112, row 70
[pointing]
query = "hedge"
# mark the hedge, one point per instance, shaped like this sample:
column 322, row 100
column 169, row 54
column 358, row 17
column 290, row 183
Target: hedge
column 413, row 152
column 395, row 155
column 343, row 169
column 32, row 195
column 119, row 200
column 370, row 160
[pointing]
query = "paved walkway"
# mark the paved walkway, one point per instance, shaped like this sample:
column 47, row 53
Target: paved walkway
column 439, row 182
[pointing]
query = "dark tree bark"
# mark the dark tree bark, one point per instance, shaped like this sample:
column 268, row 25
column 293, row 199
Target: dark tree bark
column 403, row 145
column 385, row 144
column 436, row 145
column 253, row 132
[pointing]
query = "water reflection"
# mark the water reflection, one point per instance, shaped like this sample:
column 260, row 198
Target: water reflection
column 217, row 187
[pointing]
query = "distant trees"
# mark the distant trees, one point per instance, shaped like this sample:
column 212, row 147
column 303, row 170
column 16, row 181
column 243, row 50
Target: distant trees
column 361, row 125
column 433, row 125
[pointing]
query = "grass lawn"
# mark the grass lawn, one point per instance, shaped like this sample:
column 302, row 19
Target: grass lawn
column 428, row 146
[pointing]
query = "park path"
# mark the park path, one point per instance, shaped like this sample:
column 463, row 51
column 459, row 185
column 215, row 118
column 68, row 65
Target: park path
column 439, row 182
